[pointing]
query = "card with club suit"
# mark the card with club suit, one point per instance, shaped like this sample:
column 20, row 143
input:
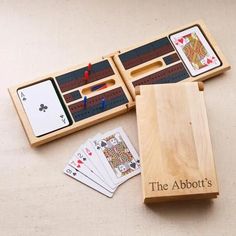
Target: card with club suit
column 105, row 87
column 43, row 108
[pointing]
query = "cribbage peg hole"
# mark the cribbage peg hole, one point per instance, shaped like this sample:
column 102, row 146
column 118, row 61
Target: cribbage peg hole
column 98, row 87
column 147, row 68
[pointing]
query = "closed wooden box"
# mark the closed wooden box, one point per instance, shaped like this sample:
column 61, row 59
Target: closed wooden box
column 174, row 142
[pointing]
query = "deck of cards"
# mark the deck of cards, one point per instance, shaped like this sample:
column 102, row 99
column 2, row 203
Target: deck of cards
column 196, row 52
column 104, row 162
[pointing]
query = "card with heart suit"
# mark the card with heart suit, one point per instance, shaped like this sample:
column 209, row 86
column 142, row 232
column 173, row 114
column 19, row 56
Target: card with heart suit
column 79, row 161
column 82, row 158
column 96, row 162
column 107, row 160
column 118, row 155
column 43, row 108
column 75, row 174
column 196, row 52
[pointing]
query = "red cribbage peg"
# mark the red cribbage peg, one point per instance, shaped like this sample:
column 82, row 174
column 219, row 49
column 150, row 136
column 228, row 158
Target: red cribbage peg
column 89, row 67
column 86, row 75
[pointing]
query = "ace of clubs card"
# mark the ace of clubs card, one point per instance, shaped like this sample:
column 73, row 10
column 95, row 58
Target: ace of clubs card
column 43, row 108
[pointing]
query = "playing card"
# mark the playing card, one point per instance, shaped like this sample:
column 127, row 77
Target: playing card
column 79, row 161
column 194, row 49
column 43, row 108
column 74, row 173
column 87, row 162
column 117, row 155
column 96, row 162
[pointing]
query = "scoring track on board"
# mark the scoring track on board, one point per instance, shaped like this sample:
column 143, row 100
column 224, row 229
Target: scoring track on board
column 162, row 61
column 146, row 53
column 75, row 79
column 171, row 58
column 105, row 88
column 156, row 62
column 171, row 74
column 75, row 95
column 93, row 105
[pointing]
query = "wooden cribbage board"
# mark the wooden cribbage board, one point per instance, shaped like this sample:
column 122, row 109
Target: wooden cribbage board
column 158, row 62
column 152, row 62
column 174, row 142
column 71, row 87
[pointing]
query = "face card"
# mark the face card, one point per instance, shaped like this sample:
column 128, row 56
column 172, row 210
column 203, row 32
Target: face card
column 118, row 155
column 78, row 161
column 194, row 49
column 75, row 174
column 43, row 108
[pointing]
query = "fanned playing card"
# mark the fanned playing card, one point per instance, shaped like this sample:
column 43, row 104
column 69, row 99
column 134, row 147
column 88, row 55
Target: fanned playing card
column 75, row 174
column 117, row 155
column 104, row 162
column 79, row 162
column 96, row 161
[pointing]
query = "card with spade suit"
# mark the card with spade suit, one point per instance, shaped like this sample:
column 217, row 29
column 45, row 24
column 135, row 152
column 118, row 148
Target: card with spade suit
column 80, row 162
column 77, row 175
column 95, row 160
column 104, row 162
column 117, row 155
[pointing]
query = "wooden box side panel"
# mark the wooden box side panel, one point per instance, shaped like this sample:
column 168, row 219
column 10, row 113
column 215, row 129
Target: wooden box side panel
column 175, row 147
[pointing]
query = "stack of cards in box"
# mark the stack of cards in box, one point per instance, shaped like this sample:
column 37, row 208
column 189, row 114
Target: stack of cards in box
column 104, row 162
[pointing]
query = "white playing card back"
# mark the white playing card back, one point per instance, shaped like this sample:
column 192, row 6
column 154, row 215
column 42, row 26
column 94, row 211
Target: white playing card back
column 43, row 108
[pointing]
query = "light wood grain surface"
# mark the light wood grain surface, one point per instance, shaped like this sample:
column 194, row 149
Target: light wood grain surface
column 75, row 126
column 157, row 64
column 42, row 37
column 174, row 143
